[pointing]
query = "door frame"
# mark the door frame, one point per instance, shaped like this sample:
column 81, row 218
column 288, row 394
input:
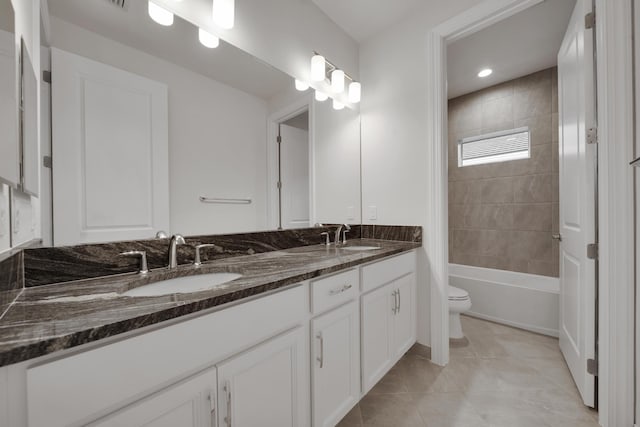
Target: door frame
column 615, row 191
column 304, row 103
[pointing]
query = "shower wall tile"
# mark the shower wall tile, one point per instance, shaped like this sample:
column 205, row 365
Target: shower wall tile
column 502, row 215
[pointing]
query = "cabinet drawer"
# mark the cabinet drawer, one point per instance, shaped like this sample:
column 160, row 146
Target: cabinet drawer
column 382, row 272
column 334, row 290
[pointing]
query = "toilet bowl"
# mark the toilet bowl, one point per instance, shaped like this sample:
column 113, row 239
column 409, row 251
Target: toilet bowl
column 459, row 302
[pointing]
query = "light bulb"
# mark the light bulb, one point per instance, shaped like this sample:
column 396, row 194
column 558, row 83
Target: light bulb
column 337, row 105
column 337, row 81
column 355, row 92
column 318, row 70
column 208, row 39
column 224, row 13
column 160, row 15
column 301, row 86
column 485, row 73
column 321, row 96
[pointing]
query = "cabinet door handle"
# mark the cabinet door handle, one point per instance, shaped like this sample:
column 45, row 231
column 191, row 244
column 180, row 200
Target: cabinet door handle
column 395, row 303
column 321, row 357
column 399, row 300
column 341, row 290
column 227, row 389
column 212, row 407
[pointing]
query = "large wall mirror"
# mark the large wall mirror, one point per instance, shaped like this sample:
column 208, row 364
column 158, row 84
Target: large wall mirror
column 151, row 130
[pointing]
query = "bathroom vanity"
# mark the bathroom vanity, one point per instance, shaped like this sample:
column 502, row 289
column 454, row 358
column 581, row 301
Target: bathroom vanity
column 297, row 340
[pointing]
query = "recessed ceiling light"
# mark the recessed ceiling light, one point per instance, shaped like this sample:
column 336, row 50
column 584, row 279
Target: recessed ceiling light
column 160, row 15
column 485, row 73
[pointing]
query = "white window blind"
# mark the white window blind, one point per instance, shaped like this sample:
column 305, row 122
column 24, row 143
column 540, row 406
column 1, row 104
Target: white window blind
column 494, row 147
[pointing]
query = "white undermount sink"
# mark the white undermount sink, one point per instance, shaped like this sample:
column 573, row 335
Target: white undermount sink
column 360, row 248
column 183, row 285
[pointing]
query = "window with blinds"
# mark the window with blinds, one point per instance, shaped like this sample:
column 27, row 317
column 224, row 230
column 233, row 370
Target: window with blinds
column 494, row 147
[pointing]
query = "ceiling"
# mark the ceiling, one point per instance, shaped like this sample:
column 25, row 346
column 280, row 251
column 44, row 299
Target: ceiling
column 519, row 45
column 177, row 44
column 361, row 19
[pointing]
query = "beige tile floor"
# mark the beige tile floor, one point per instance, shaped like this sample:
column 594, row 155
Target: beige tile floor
column 498, row 377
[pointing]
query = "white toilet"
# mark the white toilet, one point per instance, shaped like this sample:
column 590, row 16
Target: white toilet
column 459, row 302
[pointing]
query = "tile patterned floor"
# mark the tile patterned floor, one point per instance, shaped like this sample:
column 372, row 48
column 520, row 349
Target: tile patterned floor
column 498, row 377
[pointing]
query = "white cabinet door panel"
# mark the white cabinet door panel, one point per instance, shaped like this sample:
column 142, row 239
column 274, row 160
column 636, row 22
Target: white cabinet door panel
column 9, row 152
column 377, row 309
column 404, row 324
column 190, row 403
column 110, row 152
column 266, row 386
column 336, row 364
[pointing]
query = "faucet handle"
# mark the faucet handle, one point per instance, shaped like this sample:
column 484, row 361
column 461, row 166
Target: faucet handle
column 327, row 242
column 344, row 235
column 197, row 261
column 144, row 268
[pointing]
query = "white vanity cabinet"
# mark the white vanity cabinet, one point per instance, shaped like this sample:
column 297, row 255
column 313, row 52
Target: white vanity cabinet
column 265, row 386
column 335, row 364
column 388, row 317
column 191, row 403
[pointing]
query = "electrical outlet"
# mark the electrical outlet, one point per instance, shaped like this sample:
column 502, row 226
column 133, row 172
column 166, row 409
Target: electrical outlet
column 373, row 213
column 351, row 213
column 16, row 222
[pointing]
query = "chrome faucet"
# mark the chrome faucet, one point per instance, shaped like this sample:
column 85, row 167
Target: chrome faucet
column 340, row 231
column 176, row 240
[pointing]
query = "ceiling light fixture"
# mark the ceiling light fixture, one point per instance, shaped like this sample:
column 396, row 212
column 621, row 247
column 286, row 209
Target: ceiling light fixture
column 485, row 73
column 318, row 68
column 301, row 86
column 321, row 96
column 160, row 15
column 337, row 81
column 337, row 105
column 207, row 39
column 355, row 92
column 224, row 13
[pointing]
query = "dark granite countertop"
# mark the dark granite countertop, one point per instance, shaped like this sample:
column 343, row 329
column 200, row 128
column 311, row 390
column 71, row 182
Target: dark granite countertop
column 50, row 318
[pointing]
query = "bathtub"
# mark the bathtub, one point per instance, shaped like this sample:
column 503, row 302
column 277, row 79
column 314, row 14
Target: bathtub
column 526, row 301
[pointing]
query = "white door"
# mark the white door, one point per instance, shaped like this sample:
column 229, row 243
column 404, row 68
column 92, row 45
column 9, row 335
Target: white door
column 577, row 200
column 265, row 386
column 404, row 319
column 9, row 152
column 335, row 358
column 377, row 309
column 110, row 152
column 294, row 169
column 190, row 403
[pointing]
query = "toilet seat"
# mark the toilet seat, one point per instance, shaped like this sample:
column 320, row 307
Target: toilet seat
column 457, row 294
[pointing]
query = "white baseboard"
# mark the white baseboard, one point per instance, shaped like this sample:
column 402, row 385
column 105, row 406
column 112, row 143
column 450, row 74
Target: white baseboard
column 520, row 300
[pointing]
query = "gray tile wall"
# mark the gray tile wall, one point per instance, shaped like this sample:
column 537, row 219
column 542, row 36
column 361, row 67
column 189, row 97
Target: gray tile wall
column 502, row 215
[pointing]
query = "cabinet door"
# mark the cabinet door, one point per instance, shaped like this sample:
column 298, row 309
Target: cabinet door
column 266, row 386
column 110, row 149
column 9, row 148
column 190, row 403
column 404, row 320
column 336, row 364
column 377, row 311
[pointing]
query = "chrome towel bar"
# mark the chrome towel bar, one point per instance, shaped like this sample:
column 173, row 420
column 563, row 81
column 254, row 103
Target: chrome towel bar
column 225, row 201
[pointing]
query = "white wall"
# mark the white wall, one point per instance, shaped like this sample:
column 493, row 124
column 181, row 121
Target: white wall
column 217, row 136
column 394, row 108
column 336, row 164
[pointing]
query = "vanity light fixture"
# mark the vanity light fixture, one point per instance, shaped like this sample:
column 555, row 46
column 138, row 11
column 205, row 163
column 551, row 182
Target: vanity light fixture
column 337, row 105
column 337, row 81
column 318, row 68
column 301, row 86
column 207, row 39
column 160, row 15
column 224, row 13
column 485, row 73
column 321, row 96
column 355, row 92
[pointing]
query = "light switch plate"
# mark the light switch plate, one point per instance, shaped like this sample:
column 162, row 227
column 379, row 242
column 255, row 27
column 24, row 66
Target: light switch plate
column 373, row 213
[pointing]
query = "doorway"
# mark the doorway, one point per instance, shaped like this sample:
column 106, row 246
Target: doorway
column 293, row 172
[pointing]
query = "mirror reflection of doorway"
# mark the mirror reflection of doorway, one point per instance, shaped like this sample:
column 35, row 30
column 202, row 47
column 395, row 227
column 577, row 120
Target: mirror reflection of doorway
column 293, row 172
